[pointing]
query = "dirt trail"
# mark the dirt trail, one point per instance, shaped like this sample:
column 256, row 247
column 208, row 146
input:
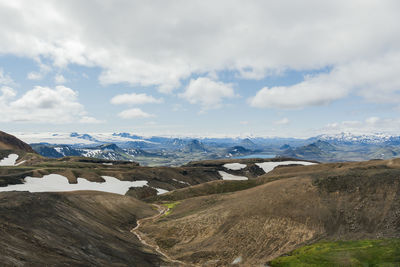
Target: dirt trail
column 162, row 210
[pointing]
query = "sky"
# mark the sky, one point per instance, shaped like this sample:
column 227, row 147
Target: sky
column 212, row 68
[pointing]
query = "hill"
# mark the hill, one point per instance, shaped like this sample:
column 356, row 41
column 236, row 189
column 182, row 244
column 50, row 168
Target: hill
column 293, row 207
column 14, row 151
column 10, row 142
column 72, row 229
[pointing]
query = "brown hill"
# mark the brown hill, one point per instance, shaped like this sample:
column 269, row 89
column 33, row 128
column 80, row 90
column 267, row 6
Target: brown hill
column 295, row 206
column 10, row 142
column 72, row 229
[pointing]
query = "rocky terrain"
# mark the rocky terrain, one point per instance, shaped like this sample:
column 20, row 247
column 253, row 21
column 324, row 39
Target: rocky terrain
column 264, row 210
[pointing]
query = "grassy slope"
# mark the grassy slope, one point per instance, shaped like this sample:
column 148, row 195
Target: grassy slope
column 384, row 252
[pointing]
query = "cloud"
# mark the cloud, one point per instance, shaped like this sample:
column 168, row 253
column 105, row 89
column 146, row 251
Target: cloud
column 313, row 91
column 134, row 99
column 7, row 93
column 5, row 79
column 39, row 75
column 161, row 44
column 134, row 113
column 35, row 76
column 282, row 121
column 90, row 120
column 375, row 80
column 43, row 105
column 207, row 93
column 369, row 125
column 59, row 79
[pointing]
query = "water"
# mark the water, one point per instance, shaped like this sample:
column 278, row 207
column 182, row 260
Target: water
column 259, row 156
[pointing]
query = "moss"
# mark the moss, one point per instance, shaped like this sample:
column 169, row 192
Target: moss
column 383, row 252
column 170, row 206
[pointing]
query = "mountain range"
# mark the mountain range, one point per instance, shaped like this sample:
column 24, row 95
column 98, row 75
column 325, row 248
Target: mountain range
column 173, row 151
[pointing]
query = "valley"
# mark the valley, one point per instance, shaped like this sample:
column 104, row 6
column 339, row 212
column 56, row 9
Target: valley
column 84, row 211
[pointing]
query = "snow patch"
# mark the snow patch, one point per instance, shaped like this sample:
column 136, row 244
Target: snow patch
column 161, row 191
column 234, row 166
column 19, row 163
column 227, row 176
column 9, row 161
column 237, row 260
column 269, row 166
column 180, row 181
column 59, row 183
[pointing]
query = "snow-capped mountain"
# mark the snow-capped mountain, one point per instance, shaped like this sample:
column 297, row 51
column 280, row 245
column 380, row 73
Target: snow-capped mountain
column 348, row 138
column 78, row 138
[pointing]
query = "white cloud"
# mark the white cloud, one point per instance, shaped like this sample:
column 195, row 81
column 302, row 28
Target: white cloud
column 373, row 120
column 282, row 121
column 34, row 76
column 134, row 99
column 7, row 93
column 5, row 79
column 161, row 43
column 90, row 120
column 42, row 105
column 207, row 93
column 59, row 79
column 39, row 75
column 376, row 80
column 369, row 125
column 312, row 91
column 134, row 113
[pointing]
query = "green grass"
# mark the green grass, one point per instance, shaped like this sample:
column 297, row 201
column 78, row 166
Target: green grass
column 383, row 252
column 170, row 206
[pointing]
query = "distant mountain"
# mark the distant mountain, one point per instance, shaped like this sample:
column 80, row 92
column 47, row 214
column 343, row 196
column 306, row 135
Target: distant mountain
column 195, row 146
column 136, row 152
column 237, row 151
column 177, row 143
column 105, row 151
column 110, row 147
column 319, row 150
column 55, row 151
column 323, row 145
column 247, row 143
column 83, row 136
column 348, row 138
column 285, row 147
column 385, row 152
column 127, row 135
column 179, row 150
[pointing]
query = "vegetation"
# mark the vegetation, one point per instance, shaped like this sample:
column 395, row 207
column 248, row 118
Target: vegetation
column 384, row 252
column 170, row 206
